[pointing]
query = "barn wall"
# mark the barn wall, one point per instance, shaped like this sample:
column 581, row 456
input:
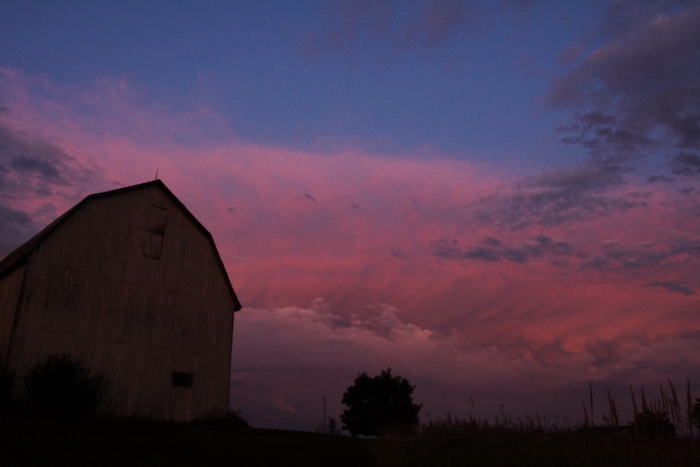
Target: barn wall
column 139, row 378
column 10, row 289
column 96, row 289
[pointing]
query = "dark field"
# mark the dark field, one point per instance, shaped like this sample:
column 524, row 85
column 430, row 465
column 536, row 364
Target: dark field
column 127, row 443
column 97, row 443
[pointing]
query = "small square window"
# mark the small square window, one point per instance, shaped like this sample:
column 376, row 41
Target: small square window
column 182, row 379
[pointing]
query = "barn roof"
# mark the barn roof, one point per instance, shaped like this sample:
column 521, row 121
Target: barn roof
column 19, row 255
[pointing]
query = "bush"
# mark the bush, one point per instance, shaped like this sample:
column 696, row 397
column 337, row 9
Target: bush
column 653, row 424
column 7, row 388
column 61, row 387
column 235, row 418
column 695, row 412
column 229, row 418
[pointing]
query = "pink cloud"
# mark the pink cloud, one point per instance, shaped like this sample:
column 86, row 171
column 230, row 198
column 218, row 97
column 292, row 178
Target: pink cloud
column 460, row 279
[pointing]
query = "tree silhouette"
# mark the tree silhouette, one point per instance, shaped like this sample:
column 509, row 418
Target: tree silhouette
column 378, row 403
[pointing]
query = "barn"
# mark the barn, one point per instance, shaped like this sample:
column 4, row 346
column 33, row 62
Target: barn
column 131, row 284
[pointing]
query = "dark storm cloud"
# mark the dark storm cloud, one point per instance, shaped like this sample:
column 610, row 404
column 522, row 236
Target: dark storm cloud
column 625, row 15
column 398, row 253
column 16, row 227
column 21, row 159
column 557, row 198
column 611, row 256
column 33, row 169
column 641, row 91
column 653, row 60
column 440, row 21
column 573, row 180
column 425, row 24
column 637, row 256
column 677, row 287
column 608, row 140
column 659, row 179
column 493, row 249
column 686, row 163
column 616, row 256
column 637, row 97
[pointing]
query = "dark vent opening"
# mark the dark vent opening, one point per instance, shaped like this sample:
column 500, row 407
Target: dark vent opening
column 153, row 245
column 156, row 219
column 182, row 379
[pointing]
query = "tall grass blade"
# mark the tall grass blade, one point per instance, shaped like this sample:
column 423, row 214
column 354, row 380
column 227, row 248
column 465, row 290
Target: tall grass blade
column 689, row 401
column 664, row 400
column 590, row 397
column 676, row 406
column 613, row 411
column 634, row 406
column 673, row 392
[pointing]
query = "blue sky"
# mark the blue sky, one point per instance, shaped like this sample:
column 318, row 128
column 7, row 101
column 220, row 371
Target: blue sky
column 315, row 75
column 498, row 200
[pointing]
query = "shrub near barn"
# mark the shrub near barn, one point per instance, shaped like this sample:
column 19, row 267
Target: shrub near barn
column 61, row 387
column 7, row 388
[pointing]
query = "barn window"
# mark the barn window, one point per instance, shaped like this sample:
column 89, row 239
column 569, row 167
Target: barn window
column 153, row 245
column 156, row 219
column 182, row 379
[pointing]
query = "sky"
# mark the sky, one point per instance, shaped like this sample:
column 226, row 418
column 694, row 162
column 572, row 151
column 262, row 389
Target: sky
column 497, row 200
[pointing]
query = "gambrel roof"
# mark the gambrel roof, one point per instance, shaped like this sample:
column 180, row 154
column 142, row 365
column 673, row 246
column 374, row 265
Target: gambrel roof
column 19, row 256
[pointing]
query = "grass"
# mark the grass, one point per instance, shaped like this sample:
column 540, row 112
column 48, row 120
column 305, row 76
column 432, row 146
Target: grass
column 442, row 442
column 650, row 440
column 455, row 442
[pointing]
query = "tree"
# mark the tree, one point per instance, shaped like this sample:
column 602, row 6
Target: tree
column 378, row 403
column 61, row 387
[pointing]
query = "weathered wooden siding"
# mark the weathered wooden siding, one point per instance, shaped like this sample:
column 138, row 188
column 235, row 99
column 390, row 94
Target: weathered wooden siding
column 95, row 288
column 10, row 289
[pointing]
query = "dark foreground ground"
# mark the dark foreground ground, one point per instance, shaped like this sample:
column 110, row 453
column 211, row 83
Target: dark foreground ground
column 130, row 443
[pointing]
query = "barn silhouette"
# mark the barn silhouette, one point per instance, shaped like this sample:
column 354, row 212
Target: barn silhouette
column 130, row 283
